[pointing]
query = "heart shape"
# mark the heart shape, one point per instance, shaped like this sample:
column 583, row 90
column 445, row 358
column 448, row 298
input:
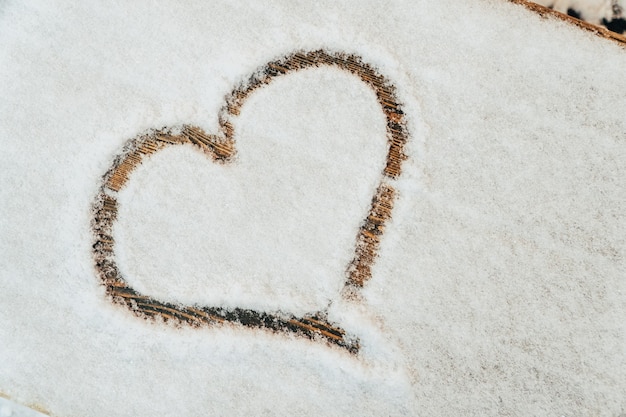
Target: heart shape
column 221, row 149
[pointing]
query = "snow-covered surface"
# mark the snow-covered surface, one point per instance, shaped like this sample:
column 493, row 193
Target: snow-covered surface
column 499, row 289
column 297, row 232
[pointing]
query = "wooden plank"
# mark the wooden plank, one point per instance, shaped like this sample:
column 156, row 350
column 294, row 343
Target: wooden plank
column 596, row 30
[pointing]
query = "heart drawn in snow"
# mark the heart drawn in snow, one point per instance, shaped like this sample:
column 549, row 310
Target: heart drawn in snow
column 221, row 149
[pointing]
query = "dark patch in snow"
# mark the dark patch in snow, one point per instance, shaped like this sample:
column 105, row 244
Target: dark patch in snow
column 615, row 25
column 573, row 13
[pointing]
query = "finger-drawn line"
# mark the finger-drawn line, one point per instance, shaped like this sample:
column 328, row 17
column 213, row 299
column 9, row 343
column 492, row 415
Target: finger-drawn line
column 221, row 149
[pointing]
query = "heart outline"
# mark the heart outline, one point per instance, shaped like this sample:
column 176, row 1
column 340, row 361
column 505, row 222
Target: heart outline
column 221, row 148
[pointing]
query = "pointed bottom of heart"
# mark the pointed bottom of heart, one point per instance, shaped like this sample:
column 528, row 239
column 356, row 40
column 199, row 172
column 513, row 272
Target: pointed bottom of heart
column 314, row 326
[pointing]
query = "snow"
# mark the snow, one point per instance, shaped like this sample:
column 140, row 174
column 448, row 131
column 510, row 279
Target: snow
column 499, row 287
column 284, row 195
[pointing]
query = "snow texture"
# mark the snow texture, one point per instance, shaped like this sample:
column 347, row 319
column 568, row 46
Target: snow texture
column 500, row 283
column 285, row 194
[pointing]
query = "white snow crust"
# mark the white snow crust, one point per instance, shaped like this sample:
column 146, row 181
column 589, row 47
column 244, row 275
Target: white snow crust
column 276, row 229
column 500, row 283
